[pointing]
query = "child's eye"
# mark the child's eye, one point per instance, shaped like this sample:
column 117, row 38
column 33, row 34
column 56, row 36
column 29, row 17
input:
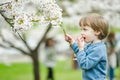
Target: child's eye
column 84, row 29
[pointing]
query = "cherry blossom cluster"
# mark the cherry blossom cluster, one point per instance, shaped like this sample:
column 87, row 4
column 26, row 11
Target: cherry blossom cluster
column 51, row 11
column 24, row 16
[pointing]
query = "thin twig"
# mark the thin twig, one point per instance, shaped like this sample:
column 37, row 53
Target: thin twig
column 20, row 36
column 5, row 3
column 7, row 20
column 61, row 25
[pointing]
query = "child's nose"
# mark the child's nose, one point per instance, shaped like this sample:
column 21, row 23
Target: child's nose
column 81, row 32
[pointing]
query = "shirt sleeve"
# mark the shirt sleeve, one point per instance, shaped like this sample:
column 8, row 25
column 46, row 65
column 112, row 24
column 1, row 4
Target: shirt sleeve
column 87, row 61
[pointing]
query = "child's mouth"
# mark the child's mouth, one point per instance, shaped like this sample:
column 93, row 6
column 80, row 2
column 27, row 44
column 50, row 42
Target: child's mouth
column 84, row 38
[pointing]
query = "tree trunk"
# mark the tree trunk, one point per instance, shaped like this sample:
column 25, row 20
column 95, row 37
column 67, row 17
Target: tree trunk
column 35, row 59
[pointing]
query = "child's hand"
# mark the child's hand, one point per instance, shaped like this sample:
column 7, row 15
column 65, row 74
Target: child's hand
column 81, row 42
column 69, row 39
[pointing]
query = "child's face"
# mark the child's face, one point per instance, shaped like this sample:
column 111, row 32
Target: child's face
column 89, row 35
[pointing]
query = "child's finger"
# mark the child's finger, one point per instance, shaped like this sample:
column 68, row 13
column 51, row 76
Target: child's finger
column 68, row 36
column 79, row 38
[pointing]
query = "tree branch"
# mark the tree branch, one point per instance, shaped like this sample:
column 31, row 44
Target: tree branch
column 5, row 3
column 25, row 43
column 17, row 33
column 12, row 46
column 44, row 36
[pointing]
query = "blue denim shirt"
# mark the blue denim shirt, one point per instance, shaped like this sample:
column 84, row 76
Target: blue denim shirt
column 92, row 60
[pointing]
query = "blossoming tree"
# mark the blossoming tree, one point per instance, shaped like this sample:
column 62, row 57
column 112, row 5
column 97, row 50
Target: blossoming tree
column 21, row 16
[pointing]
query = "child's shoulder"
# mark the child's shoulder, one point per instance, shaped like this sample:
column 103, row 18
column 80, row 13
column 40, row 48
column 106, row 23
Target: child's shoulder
column 95, row 45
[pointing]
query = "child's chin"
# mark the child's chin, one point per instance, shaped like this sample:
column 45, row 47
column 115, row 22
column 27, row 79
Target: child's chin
column 86, row 41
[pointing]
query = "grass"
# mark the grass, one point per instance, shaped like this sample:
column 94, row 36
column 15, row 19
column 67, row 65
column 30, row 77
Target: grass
column 17, row 71
column 23, row 71
column 117, row 73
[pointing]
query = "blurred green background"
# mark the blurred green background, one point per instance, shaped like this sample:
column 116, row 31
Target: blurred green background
column 62, row 71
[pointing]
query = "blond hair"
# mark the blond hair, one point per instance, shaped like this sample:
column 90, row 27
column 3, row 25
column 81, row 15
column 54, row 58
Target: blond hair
column 97, row 23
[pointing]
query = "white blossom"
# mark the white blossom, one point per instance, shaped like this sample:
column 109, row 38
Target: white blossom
column 51, row 12
column 7, row 10
column 24, row 16
column 22, row 22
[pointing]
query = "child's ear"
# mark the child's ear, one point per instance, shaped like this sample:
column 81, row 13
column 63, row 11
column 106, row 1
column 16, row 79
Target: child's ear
column 97, row 33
